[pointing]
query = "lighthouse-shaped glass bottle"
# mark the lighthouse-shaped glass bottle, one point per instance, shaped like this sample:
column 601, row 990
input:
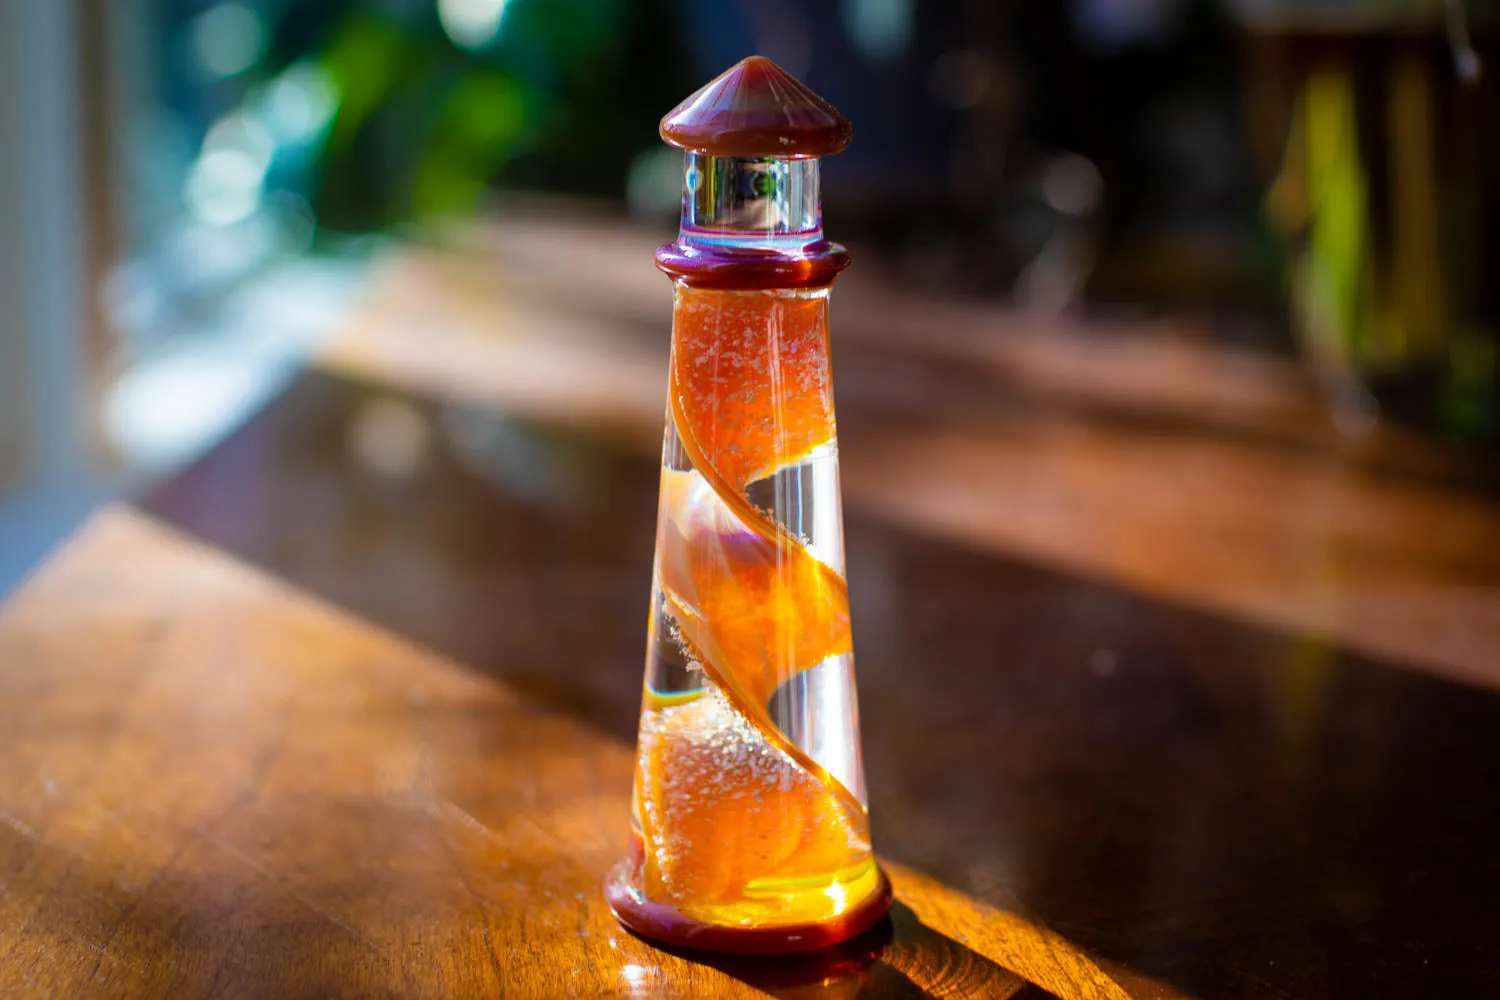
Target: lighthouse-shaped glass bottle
column 750, row 831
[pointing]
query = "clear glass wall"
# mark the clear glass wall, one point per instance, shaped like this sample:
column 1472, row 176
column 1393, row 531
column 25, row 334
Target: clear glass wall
column 750, row 799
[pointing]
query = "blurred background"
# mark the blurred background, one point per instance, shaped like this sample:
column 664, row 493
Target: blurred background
column 1270, row 219
column 1168, row 388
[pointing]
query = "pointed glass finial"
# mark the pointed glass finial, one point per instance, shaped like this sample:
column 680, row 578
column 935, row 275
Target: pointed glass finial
column 756, row 108
column 751, row 831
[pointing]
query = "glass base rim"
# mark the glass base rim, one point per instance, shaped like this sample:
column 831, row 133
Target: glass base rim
column 668, row 925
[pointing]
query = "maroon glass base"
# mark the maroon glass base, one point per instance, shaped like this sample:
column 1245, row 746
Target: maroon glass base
column 671, row 926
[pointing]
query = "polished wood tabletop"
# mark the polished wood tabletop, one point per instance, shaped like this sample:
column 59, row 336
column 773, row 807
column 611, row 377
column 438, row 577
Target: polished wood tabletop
column 1167, row 689
column 218, row 785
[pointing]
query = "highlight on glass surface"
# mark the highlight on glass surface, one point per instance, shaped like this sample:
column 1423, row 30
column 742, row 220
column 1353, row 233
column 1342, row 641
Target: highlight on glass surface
column 750, row 825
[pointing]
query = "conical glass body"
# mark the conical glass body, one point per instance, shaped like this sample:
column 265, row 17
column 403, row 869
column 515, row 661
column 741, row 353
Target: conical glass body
column 750, row 828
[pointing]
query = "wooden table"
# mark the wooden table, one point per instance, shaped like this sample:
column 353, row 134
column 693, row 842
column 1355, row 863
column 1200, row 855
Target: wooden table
column 347, row 708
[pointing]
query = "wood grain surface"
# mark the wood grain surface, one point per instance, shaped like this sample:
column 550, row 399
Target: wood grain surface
column 1236, row 811
column 214, row 785
column 1168, row 687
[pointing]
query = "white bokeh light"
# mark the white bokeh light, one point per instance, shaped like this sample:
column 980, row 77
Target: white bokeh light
column 471, row 24
column 225, row 183
column 227, row 39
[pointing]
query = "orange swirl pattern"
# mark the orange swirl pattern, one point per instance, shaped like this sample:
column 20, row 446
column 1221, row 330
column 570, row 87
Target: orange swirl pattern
column 750, row 393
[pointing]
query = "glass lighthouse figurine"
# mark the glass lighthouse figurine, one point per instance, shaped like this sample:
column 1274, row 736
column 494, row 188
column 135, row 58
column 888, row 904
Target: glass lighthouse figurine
column 750, row 828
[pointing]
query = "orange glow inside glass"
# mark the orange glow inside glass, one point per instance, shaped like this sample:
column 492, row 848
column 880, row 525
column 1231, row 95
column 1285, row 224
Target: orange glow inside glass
column 750, row 829
column 749, row 807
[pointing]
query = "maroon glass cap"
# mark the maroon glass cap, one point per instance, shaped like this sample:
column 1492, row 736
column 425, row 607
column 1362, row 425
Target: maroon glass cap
column 756, row 108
